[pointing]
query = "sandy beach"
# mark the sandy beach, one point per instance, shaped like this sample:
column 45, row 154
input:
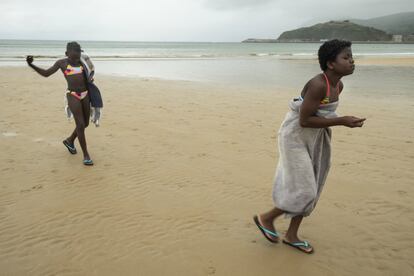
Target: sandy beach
column 180, row 169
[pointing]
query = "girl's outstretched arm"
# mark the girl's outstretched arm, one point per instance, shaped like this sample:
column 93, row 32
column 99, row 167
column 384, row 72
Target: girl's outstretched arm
column 43, row 72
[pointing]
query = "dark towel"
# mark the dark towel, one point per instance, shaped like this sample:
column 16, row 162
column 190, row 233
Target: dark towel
column 95, row 95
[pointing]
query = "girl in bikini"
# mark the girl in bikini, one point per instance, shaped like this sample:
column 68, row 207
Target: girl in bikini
column 77, row 95
column 304, row 144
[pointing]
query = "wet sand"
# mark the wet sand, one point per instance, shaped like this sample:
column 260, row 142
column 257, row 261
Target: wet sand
column 180, row 169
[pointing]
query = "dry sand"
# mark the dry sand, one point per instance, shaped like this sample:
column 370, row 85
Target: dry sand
column 180, row 169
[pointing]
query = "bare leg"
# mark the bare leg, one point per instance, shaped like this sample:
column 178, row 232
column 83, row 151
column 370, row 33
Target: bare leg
column 292, row 233
column 76, row 107
column 72, row 137
column 86, row 114
column 86, row 108
column 267, row 219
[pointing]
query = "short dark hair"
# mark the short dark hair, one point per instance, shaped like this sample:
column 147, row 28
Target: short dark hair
column 73, row 45
column 330, row 50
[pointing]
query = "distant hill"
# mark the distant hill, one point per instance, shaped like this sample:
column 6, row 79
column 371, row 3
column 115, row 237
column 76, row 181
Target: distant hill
column 260, row 40
column 335, row 29
column 400, row 23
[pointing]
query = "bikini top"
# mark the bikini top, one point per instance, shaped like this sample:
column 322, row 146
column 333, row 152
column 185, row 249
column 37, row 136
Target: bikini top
column 328, row 90
column 70, row 70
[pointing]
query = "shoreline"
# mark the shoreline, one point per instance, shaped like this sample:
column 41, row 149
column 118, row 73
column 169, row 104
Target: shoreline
column 220, row 71
column 375, row 59
column 259, row 40
column 207, row 42
column 248, row 56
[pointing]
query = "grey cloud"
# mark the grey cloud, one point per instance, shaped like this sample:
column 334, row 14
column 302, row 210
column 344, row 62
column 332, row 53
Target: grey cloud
column 187, row 20
column 236, row 4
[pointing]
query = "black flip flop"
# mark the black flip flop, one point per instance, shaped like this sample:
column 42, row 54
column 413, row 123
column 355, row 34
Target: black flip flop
column 265, row 231
column 300, row 246
column 71, row 148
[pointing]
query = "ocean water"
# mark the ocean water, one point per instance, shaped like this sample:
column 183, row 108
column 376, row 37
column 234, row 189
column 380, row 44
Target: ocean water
column 254, row 64
column 12, row 50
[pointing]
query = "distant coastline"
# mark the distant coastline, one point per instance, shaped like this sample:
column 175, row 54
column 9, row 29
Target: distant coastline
column 391, row 29
column 260, row 40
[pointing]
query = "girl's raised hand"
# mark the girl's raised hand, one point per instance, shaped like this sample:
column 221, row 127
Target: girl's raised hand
column 29, row 59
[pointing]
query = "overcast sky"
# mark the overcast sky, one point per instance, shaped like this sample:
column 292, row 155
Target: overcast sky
column 177, row 20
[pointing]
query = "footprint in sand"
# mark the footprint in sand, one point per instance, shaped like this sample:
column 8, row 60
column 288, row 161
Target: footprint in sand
column 211, row 270
column 402, row 193
column 340, row 205
column 37, row 187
